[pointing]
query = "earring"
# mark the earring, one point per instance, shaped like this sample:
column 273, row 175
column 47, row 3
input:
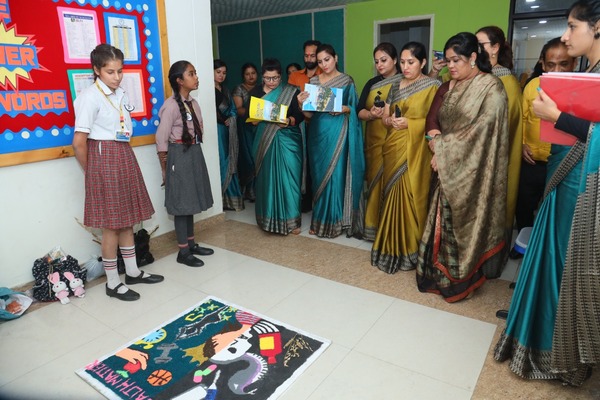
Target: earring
column 472, row 64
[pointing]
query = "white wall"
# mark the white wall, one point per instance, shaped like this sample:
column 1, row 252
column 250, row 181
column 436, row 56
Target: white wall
column 40, row 201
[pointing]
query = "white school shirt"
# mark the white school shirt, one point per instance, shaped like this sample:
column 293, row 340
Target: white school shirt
column 98, row 115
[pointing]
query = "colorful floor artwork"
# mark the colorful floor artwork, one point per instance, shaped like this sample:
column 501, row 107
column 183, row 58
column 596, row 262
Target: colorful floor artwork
column 213, row 351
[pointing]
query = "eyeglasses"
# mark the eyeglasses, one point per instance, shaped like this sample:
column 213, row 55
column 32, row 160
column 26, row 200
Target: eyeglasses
column 271, row 78
column 484, row 43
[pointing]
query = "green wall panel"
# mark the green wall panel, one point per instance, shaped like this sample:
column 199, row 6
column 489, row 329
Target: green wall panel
column 329, row 28
column 239, row 44
column 283, row 37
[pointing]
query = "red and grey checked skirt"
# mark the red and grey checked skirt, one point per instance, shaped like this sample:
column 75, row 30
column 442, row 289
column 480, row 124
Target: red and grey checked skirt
column 115, row 192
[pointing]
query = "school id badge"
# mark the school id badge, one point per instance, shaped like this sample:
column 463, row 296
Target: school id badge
column 122, row 136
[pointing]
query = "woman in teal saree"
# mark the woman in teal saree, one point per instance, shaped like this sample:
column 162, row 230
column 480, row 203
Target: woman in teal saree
column 553, row 325
column 228, row 140
column 335, row 145
column 277, row 150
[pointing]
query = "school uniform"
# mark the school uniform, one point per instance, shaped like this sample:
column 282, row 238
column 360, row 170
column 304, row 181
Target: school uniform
column 115, row 192
column 187, row 185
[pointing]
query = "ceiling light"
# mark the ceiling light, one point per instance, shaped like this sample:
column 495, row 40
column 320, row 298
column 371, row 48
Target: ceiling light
column 535, row 7
column 543, row 21
column 533, row 36
column 524, row 27
column 529, row 1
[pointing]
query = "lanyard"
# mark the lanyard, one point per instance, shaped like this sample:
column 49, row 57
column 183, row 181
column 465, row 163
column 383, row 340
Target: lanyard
column 120, row 109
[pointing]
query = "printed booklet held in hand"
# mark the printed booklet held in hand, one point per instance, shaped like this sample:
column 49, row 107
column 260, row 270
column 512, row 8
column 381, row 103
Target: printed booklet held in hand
column 265, row 110
column 323, row 99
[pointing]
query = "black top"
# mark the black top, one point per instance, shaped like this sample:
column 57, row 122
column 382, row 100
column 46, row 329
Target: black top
column 573, row 125
column 365, row 92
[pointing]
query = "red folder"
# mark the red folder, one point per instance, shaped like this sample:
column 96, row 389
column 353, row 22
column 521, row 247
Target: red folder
column 574, row 93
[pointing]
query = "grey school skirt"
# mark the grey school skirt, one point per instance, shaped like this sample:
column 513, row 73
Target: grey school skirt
column 187, row 186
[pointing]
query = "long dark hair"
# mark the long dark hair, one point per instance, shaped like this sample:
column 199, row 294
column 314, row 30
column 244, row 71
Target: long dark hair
column 496, row 36
column 176, row 72
column 389, row 49
column 104, row 53
column 588, row 11
column 465, row 44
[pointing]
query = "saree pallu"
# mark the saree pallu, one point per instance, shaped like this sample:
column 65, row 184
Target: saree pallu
column 576, row 344
column 464, row 229
column 528, row 337
column 375, row 133
column 337, row 165
column 246, row 134
column 278, row 154
column 406, row 177
column 228, row 155
column 515, row 129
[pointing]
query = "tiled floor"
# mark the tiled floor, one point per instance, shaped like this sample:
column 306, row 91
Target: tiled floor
column 388, row 340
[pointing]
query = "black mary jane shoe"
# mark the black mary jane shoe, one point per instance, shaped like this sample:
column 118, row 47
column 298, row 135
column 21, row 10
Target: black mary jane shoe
column 189, row 260
column 132, row 280
column 129, row 295
column 201, row 251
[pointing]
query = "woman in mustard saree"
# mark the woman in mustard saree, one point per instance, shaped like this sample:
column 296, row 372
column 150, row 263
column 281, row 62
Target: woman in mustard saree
column 494, row 42
column 371, row 106
column 406, row 165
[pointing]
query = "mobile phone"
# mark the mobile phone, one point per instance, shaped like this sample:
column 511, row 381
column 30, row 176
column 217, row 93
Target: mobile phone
column 397, row 112
column 438, row 55
column 377, row 101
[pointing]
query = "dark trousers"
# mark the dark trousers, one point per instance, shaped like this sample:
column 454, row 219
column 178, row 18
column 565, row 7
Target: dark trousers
column 532, row 182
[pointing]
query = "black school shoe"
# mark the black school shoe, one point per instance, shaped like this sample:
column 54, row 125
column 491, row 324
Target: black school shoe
column 129, row 295
column 189, row 260
column 201, row 251
column 132, row 280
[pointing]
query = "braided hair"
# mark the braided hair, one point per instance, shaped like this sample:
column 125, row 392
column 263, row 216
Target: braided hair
column 176, row 72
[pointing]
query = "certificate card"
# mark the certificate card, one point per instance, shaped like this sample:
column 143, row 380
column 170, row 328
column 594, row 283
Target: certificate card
column 122, row 32
column 322, row 99
column 80, row 33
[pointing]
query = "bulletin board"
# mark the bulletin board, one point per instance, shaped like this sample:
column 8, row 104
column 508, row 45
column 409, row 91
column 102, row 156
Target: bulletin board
column 45, row 50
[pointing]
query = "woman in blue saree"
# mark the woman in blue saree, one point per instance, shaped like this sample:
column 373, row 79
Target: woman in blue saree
column 277, row 150
column 335, row 145
column 228, row 140
column 553, row 325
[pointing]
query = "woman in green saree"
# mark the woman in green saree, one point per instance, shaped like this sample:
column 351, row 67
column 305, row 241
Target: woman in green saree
column 335, row 145
column 371, row 106
column 228, row 140
column 464, row 230
column 553, row 325
column 406, row 165
column 277, row 150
